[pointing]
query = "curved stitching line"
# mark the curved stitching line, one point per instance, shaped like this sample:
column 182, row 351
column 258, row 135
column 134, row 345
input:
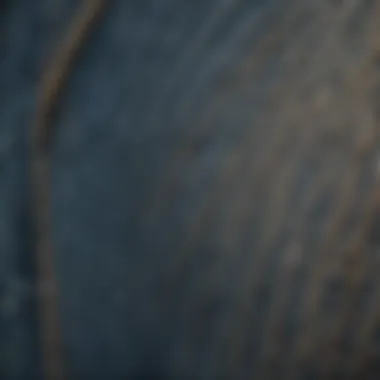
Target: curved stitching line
column 52, row 86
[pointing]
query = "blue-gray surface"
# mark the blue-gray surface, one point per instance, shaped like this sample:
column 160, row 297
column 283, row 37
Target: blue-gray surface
column 163, row 92
column 109, row 148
